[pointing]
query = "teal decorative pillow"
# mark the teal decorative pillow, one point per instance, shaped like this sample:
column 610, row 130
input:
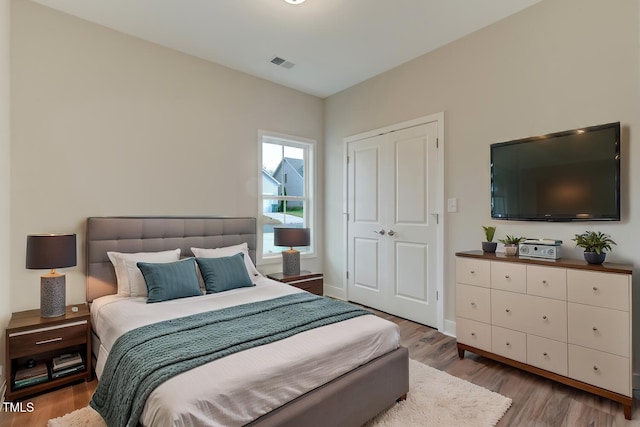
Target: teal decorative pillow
column 225, row 273
column 170, row 280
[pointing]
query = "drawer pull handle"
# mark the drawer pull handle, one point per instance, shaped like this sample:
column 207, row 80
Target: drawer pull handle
column 473, row 304
column 473, row 334
column 506, row 276
column 544, row 282
column 595, row 367
column 508, row 344
column 508, row 310
column 544, row 317
column 472, row 272
column 595, row 329
column 595, row 289
column 545, row 354
column 49, row 341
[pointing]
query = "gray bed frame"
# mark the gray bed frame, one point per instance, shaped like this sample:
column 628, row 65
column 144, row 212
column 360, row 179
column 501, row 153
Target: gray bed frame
column 349, row 400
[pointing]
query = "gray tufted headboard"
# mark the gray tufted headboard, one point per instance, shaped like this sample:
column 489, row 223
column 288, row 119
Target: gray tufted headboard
column 151, row 234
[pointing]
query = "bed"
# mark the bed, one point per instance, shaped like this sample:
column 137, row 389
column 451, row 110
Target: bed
column 341, row 374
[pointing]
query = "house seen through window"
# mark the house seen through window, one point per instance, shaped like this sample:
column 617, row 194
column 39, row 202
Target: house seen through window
column 286, row 180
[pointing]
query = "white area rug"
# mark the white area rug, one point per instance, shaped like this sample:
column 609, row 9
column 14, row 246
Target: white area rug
column 435, row 399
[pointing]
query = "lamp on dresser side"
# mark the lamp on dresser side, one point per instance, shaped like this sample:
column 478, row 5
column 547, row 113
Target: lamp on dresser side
column 51, row 251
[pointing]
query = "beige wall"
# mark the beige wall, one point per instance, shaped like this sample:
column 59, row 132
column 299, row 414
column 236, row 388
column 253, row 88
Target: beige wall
column 107, row 124
column 558, row 65
column 5, row 249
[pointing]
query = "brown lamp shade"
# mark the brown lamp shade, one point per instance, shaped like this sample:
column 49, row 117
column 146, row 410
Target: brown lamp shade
column 291, row 236
column 46, row 251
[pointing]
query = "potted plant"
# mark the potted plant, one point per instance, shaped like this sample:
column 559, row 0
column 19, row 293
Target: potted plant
column 595, row 244
column 511, row 244
column 489, row 245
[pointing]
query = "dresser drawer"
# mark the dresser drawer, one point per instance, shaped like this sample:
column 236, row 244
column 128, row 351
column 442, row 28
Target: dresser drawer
column 509, row 310
column 608, row 290
column 473, row 302
column 509, row 343
column 473, row 272
column 601, row 369
column 475, row 334
column 599, row 328
column 509, row 276
column 40, row 340
column 547, row 282
column 550, row 355
column 546, row 318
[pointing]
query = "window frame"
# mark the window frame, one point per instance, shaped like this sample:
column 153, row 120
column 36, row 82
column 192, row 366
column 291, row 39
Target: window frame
column 309, row 177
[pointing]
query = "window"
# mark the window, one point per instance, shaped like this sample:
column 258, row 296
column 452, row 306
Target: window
column 286, row 189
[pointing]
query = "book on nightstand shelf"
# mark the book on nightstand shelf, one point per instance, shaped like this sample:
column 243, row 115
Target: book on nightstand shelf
column 66, row 361
column 67, row 371
column 31, row 375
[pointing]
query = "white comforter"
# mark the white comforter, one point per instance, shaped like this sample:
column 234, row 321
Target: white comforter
column 241, row 387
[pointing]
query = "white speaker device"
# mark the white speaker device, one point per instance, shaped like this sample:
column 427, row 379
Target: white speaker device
column 540, row 248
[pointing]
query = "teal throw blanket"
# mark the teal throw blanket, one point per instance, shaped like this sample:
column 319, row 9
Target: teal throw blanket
column 144, row 358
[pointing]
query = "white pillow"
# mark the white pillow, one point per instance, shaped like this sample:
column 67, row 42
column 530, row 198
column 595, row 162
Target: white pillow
column 130, row 279
column 229, row 251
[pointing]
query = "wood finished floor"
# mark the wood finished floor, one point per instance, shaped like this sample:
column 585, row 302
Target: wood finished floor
column 537, row 402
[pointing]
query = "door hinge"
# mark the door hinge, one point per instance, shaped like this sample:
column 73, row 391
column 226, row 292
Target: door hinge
column 437, row 296
column 347, row 159
column 347, row 274
column 437, row 142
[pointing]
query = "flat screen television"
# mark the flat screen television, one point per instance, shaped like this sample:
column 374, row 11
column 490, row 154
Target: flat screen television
column 566, row 176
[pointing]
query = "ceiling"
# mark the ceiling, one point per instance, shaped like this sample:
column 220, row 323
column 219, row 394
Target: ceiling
column 334, row 44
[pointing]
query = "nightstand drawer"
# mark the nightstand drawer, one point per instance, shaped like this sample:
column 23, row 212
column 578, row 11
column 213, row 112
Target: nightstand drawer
column 314, row 285
column 39, row 340
column 306, row 280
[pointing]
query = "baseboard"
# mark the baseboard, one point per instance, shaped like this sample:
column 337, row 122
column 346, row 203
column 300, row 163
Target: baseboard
column 449, row 328
column 334, row 292
column 3, row 389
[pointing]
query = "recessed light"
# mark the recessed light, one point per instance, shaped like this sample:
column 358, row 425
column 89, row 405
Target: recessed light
column 294, row 1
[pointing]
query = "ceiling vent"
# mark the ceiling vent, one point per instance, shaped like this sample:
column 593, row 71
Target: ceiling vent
column 282, row 62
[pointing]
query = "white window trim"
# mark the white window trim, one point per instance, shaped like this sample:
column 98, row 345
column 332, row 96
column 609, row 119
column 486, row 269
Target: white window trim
column 310, row 184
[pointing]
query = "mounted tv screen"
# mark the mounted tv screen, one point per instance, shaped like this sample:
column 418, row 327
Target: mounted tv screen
column 565, row 176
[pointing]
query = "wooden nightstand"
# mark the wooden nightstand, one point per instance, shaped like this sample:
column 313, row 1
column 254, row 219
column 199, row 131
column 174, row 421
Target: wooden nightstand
column 29, row 336
column 310, row 282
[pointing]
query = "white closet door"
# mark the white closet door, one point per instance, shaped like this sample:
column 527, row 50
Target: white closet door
column 392, row 226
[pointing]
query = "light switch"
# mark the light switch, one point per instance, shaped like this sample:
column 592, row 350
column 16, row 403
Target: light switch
column 452, row 205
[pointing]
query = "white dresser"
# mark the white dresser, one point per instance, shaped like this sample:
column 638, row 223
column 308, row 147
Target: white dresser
column 565, row 320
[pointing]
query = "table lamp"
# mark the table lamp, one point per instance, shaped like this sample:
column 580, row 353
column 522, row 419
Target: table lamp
column 51, row 251
column 291, row 237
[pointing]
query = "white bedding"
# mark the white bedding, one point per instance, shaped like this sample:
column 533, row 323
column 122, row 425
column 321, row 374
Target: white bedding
column 239, row 388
